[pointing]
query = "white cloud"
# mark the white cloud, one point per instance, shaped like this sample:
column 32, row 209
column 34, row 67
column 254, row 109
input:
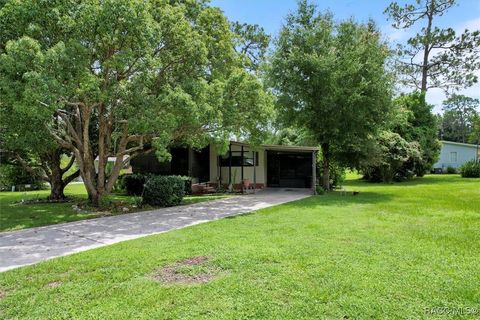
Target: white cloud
column 395, row 35
column 471, row 25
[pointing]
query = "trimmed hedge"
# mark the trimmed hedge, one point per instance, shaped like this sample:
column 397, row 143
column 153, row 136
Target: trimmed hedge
column 133, row 183
column 470, row 169
column 165, row 191
column 187, row 184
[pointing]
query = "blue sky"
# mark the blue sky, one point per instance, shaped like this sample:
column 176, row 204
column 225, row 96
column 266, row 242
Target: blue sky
column 270, row 14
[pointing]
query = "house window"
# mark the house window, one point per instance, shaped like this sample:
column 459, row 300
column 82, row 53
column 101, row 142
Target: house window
column 237, row 159
column 453, row 157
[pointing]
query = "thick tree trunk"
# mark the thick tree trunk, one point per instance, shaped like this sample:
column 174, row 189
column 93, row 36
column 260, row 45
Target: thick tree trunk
column 326, row 166
column 57, row 191
column 57, row 185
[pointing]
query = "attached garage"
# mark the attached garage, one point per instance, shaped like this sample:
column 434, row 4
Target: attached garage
column 272, row 166
column 289, row 169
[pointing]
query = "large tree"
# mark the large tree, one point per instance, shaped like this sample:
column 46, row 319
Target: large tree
column 331, row 80
column 435, row 57
column 458, row 118
column 25, row 139
column 26, row 142
column 118, row 74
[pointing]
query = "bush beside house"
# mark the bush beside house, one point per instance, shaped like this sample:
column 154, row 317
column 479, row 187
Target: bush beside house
column 165, row 191
column 470, row 169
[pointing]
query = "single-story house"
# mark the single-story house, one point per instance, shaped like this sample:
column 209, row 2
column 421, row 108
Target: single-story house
column 260, row 167
column 455, row 154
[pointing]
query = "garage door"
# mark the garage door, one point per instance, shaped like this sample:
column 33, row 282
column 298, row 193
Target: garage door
column 289, row 169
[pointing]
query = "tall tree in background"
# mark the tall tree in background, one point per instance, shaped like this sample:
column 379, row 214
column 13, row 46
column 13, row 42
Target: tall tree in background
column 419, row 125
column 330, row 79
column 251, row 41
column 435, row 57
column 116, row 74
column 475, row 134
column 458, row 117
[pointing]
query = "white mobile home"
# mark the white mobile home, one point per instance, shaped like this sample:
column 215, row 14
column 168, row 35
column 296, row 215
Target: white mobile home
column 455, row 154
column 262, row 166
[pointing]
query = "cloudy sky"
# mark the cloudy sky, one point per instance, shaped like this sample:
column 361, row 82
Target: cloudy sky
column 270, row 13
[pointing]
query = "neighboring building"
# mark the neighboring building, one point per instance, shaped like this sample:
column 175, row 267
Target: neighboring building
column 265, row 166
column 455, row 154
column 111, row 161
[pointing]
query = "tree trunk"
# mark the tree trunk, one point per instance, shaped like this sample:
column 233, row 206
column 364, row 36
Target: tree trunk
column 427, row 46
column 52, row 161
column 57, row 191
column 326, row 166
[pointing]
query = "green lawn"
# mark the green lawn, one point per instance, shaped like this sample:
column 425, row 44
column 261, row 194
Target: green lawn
column 390, row 252
column 14, row 216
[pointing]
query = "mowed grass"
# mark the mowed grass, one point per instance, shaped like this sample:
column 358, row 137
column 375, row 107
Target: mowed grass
column 15, row 216
column 391, row 252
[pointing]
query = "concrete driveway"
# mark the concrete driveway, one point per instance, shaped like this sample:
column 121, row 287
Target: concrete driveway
column 19, row 248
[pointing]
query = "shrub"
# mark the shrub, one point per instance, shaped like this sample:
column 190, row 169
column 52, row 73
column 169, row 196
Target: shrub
column 164, row 191
column 187, row 184
column 133, row 183
column 451, row 170
column 319, row 190
column 337, row 174
column 470, row 169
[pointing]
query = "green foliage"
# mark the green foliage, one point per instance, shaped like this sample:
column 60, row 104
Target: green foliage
column 459, row 118
column 251, row 42
column 447, row 60
column 330, row 78
column 411, row 136
column 419, row 126
column 15, row 175
column 134, row 183
column 393, row 157
column 187, row 184
column 470, row 169
column 164, row 191
column 158, row 71
column 475, row 135
column 337, row 173
column 319, row 190
column 451, row 170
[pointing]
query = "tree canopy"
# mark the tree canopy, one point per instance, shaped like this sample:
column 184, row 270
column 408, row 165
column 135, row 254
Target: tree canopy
column 435, row 57
column 117, row 74
column 458, row 119
column 330, row 78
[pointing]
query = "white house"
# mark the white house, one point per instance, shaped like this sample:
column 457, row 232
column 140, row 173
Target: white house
column 455, row 154
column 260, row 167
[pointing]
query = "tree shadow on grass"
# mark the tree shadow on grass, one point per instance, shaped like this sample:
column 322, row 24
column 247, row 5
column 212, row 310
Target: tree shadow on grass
column 433, row 179
column 337, row 198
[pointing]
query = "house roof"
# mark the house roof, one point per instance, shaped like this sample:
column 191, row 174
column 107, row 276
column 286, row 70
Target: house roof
column 278, row 147
column 460, row 144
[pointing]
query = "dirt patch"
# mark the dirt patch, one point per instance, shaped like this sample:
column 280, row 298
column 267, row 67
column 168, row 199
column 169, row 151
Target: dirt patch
column 53, row 284
column 3, row 294
column 188, row 271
